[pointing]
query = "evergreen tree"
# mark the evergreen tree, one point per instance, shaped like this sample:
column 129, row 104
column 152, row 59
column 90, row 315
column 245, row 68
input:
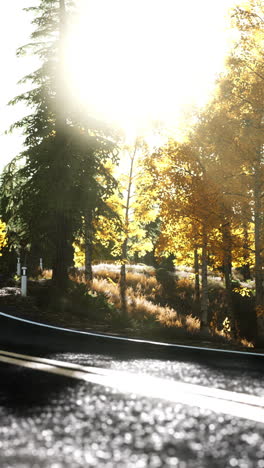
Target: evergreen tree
column 64, row 177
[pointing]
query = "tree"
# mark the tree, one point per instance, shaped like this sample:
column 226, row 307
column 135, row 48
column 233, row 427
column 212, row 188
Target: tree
column 188, row 199
column 237, row 120
column 65, row 150
column 122, row 227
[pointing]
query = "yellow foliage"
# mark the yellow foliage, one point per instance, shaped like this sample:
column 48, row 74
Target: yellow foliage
column 127, row 222
column 243, row 291
column 226, row 325
column 79, row 258
column 3, row 237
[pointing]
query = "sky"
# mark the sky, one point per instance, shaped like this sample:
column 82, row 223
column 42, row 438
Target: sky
column 15, row 29
column 133, row 62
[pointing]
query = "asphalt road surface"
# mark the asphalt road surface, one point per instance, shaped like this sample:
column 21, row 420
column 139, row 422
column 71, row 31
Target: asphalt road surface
column 115, row 404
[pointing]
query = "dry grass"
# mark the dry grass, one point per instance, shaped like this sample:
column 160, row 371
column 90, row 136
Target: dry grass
column 138, row 268
column 224, row 333
column 142, row 292
column 169, row 318
column 227, row 337
column 139, row 307
column 47, row 274
column 109, row 289
column 107, row 274
column 184, row 283
column 141, row 283
column 221, row 333
column 192, row 324
column 141, row 289
column 247, row 343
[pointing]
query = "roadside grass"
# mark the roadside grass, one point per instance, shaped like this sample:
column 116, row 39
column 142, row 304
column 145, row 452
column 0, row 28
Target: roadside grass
column 160, row 305
column 166, row 307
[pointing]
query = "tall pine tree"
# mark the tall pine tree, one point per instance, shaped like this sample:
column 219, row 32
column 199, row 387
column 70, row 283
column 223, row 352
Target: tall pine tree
column 59, row 183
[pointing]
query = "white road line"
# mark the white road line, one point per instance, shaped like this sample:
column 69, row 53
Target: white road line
column 220, row 401
column 207, row 391
column 132, row 340
column 67, row 365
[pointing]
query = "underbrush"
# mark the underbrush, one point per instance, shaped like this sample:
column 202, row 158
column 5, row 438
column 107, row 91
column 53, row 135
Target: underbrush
column 160, row 303
column 144, row 294
column 79, row 307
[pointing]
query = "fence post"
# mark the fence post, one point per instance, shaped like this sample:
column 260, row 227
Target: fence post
column 24, row 282
column 18, row 267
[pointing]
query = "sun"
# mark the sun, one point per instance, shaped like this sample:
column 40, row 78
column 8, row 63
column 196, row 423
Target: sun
column 134, row 62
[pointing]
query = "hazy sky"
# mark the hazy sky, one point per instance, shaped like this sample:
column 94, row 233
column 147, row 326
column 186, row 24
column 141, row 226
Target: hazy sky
column 15, row 29
column 149, row 58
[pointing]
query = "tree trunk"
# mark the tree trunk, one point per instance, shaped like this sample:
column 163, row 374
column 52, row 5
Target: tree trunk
column 60, row 74
column 246, row 266
column 63, row 234
column 227, row 266
column 136, row 258
column 204, row 294
column 63, row 253
column 88, row 246
column 258, row 244
column 197, row 279
column 122, row 283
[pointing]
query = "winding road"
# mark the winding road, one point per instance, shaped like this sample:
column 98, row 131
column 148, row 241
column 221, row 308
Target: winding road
column 72, row 399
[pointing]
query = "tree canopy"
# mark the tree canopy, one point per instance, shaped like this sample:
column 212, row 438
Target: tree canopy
column 198, row 199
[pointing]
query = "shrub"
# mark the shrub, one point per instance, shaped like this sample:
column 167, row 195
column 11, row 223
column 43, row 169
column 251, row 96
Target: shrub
column 192, row 324
column 158, row 304
column 168, row 285
column 244, row 307
column 92, row 304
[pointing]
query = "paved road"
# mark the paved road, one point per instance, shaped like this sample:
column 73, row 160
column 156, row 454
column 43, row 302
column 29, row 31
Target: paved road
column 58, row 421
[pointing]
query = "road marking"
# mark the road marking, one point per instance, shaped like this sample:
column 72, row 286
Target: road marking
column 132, row 340
column 220, row 401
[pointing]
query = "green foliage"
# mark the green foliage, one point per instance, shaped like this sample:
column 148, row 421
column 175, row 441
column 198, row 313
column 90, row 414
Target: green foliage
column 49, row 188
column 168, row 283
column 77, row 302
column 95, row 305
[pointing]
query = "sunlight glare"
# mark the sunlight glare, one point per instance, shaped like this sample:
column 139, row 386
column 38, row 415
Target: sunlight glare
column 134, row 62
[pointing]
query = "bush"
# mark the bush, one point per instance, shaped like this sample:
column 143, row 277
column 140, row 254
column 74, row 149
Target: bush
column 88, row 303
column 168, row 283
column 78, row 301
column 245, row 314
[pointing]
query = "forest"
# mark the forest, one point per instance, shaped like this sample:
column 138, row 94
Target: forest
column 159, row 237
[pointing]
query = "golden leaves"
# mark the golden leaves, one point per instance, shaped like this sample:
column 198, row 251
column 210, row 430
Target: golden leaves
column 3, row 237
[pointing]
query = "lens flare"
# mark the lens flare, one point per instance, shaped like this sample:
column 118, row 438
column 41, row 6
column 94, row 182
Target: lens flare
column 136, row 62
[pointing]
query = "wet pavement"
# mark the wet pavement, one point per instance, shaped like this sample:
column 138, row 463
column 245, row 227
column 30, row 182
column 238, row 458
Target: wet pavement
column 54, row 421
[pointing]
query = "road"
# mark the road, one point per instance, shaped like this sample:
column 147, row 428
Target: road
column 114, row 405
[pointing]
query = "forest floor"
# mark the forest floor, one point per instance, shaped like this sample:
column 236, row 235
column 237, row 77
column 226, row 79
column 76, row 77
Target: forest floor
column 153, row 313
